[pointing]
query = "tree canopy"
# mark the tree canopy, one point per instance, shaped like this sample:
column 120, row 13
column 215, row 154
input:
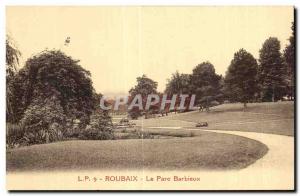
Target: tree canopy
column 241, row 77
column 12, row 61
column 12, row 57
column 205, row 83
column 178, row 84
column 289, row 57
column 54, row 74
column 145, row 86
column 271, row 70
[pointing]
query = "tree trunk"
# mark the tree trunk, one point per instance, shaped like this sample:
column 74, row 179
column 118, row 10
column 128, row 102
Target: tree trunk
column 245, row 104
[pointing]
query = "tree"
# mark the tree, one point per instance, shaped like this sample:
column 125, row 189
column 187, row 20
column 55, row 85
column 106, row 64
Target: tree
column 178, row 84
column 12, row 61
column 144, row 87
column 53, row 91
column 241, row 77
column 271, row 70
column 289, row 57
column 205, row 83
column 52, row 73
column 12, row 57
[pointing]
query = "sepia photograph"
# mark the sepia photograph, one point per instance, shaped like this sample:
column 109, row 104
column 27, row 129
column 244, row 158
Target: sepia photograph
column 150, row 98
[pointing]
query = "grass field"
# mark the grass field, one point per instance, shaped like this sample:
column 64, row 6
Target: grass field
column 277, row 118
column 170, row 148
column 202, row 151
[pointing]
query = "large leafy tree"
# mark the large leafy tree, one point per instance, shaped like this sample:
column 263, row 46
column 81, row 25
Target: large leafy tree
column 205, row 83
column 12, row 61
column 241, row 77
column 178, row 84
column 144, row 87
column 12, row 57
column 289, row 57
column 271, row 70
column 54, row 74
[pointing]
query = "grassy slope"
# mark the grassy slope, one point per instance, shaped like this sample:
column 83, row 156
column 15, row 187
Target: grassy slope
column 203, row 151
column 277, row 118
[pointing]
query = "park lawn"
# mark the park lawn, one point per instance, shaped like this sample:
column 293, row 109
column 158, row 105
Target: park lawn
column 275, row 118
column 202, row 150
column 184, row 149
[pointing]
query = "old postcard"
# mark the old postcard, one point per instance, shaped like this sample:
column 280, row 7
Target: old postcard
column 150, row 98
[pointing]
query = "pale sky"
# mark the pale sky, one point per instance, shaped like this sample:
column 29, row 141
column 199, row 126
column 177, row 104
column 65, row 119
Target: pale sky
column 118, row 44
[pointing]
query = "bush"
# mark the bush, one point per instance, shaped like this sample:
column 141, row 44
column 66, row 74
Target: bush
column 100, row 127
column 95, row 134
column 14, row 134
column 72, row 132
column 43, row 122
column 133, row 114
column 41, row 136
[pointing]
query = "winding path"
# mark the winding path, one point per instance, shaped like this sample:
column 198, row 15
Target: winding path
column 274, row 171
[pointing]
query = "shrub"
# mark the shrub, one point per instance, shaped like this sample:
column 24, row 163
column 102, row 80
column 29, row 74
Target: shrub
column 43, row 122
column 95, row 134
column 72, row 132
column 100, row 127
column 134, row 114
column 14, row 134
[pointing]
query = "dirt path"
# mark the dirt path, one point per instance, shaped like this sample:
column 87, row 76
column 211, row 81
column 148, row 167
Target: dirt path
column 273, row 171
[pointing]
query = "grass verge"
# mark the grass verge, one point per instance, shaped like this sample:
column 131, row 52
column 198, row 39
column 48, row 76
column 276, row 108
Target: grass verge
column 204, row 151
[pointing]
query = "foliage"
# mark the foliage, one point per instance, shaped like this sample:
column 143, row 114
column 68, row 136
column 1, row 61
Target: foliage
column 134, row 113
column 241, row 77
column 53, row 91
column 14, row 134
column 178, row 84
column 100, row 127
column 52, row 73
column 289, row 57
column 12, row 57
column 205, row 83
column 12, row 61
column 271, row 70
column 43, row 121
column 144, row 87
